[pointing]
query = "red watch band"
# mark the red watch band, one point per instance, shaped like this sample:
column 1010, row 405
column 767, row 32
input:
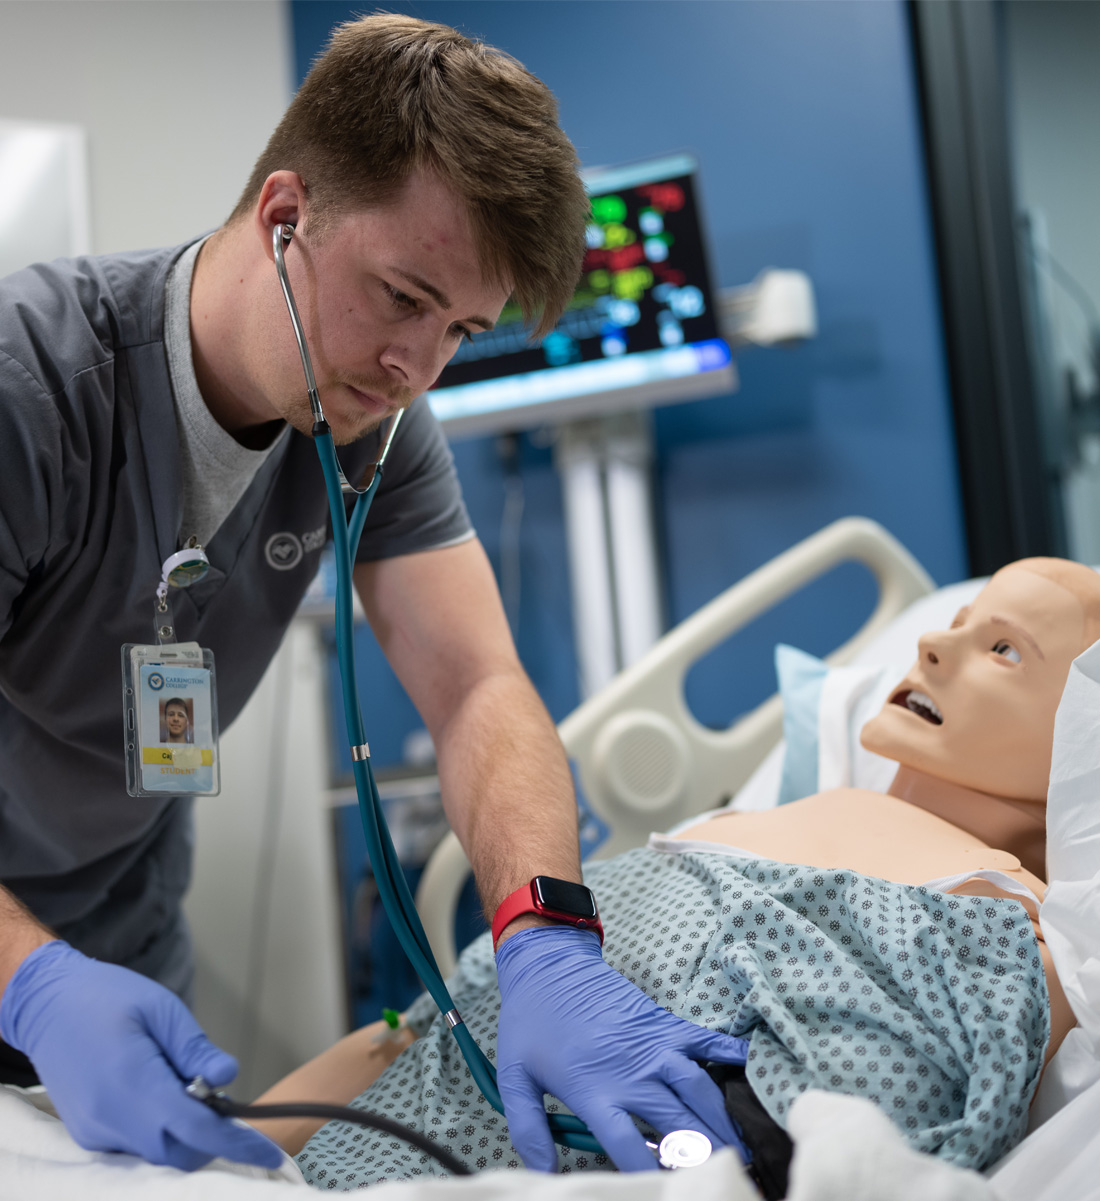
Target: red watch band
column 526, row 900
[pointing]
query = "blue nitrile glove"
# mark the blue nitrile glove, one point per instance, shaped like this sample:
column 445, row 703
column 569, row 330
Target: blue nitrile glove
column 114, row 1051
column 572, row 1026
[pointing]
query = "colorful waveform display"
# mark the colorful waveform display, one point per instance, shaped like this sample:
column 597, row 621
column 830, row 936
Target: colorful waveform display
column 645, row 286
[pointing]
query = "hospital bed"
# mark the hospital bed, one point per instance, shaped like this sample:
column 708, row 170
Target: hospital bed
column 644, row 763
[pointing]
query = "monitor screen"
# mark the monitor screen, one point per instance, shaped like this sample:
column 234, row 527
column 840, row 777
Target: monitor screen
column 641, row 329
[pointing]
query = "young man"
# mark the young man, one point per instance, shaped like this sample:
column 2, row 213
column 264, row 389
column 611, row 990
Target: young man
column 149, row 399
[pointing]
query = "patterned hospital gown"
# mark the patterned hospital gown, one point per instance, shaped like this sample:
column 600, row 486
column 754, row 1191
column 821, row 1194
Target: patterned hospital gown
column 932, row 1006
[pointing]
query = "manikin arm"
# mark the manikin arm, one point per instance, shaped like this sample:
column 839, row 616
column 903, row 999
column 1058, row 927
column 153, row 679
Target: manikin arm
column 335, row 1077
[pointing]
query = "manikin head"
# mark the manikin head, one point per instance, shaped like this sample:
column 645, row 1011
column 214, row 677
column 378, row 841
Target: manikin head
column 977, row 708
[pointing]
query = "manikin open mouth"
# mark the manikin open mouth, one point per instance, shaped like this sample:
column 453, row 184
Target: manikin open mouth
column 919, row 703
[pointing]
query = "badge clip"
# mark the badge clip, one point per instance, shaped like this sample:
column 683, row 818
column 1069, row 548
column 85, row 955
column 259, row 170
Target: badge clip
column 181, row 570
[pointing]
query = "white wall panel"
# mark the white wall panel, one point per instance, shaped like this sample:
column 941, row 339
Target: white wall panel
column 178, row 98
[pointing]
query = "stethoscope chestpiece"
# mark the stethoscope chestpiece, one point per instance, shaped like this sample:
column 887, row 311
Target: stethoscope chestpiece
column 682, row 1149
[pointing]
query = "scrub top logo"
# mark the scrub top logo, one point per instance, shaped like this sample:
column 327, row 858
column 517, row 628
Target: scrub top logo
column 283, row 551
column 156, row 681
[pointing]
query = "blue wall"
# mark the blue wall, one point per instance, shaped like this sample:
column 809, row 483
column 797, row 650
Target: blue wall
column 803, row 114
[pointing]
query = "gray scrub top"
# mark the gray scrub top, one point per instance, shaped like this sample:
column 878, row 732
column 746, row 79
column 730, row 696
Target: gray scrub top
column 90, row 507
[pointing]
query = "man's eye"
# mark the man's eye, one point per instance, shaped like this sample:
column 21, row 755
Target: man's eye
column 460, row 331
column 399, row 299
column 1008, row 651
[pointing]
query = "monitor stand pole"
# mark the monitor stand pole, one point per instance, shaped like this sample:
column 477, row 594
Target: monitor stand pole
column 605, row 465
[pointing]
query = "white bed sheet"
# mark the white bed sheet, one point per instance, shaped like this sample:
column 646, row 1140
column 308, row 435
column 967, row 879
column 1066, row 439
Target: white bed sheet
column 39, row 1161
column 845, row 1150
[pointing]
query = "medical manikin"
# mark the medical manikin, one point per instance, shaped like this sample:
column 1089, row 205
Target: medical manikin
column 971, row 727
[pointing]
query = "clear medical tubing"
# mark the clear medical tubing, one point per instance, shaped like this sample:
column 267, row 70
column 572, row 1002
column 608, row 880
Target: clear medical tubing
column 393, row 889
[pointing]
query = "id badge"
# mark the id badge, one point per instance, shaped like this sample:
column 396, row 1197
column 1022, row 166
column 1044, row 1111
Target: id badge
column 170, row 715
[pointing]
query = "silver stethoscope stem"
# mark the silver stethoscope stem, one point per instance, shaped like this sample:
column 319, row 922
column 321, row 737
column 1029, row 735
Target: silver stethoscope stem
column 280, row 237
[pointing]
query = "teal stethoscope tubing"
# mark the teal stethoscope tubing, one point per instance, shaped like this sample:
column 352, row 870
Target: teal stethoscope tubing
column 393, row 889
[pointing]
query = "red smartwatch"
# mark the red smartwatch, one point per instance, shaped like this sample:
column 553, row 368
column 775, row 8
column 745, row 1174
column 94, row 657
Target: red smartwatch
column 561, row 900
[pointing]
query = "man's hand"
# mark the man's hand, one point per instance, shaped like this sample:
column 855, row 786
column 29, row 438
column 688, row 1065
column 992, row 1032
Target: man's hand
column 572, row 1026
column 114, row 1051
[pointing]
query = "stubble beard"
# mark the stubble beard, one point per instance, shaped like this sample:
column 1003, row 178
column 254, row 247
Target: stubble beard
column 297, row 412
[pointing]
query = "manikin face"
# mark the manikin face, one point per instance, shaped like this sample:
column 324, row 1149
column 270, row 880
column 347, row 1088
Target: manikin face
column 175, row 718
column 386, row 297
column 978, row 706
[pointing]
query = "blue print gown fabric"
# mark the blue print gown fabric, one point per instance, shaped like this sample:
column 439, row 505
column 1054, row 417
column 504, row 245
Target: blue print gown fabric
column 932, row 1006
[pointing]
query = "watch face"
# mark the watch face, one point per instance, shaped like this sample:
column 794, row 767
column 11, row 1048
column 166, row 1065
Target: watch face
column 563, row 896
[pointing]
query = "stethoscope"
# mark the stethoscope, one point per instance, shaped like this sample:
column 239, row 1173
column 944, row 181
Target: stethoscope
column 683, row 1148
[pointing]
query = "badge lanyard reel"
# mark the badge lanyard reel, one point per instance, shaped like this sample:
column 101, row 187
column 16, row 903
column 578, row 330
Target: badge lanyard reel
column 170, row 709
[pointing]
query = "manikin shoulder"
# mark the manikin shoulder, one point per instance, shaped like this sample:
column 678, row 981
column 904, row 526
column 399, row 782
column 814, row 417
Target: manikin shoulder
column 868, row 832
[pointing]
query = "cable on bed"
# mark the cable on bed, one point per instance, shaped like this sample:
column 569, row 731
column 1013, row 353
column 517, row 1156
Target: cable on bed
column 227, row 1107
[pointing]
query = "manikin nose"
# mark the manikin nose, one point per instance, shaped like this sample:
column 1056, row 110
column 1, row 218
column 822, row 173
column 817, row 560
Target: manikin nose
column 931, row 647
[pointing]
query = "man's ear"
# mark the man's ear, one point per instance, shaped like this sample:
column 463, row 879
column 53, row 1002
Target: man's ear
column 282, row 201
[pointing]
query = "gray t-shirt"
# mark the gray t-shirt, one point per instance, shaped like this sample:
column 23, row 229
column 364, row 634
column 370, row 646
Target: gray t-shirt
column 90, row 506
column 215, row 468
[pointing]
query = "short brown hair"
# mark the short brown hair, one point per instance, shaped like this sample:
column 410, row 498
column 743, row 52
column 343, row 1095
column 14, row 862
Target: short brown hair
column 391, row 95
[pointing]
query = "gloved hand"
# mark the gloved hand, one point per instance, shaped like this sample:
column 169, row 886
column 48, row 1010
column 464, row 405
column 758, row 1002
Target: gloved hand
column 115, row 1051
column 572, row 1026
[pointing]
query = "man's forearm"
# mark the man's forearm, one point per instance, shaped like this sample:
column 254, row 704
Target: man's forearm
column 507, row 788
column 505, row 779
column 20, row 933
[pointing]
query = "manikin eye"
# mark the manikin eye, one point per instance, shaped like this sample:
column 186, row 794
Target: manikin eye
column 1008, row 651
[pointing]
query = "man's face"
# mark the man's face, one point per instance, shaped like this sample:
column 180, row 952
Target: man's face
column 386, row 297
column 978, row 706
column 175, row 718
